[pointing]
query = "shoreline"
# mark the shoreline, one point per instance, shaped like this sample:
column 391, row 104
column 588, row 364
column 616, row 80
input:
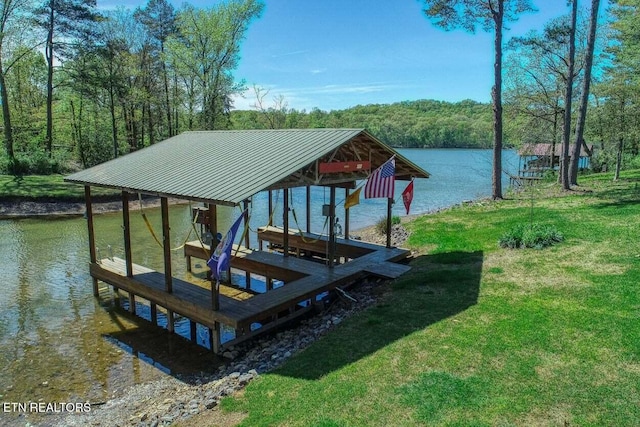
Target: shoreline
column 30, row 209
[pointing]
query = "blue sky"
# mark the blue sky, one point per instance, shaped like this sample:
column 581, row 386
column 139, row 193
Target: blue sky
column 335, row 54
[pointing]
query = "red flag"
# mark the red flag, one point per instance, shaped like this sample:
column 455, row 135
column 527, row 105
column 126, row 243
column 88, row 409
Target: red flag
column 407, row 196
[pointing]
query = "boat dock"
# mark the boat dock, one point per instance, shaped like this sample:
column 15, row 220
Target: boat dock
column 304, row 265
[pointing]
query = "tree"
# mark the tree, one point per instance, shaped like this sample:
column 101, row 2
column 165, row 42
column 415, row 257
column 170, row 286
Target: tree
column 159, row 17
column 65, row 23
column 207, row 50
column 584, row 99
column 490, row 15
column 10, row 34
column 566, row 132
column 275, row 116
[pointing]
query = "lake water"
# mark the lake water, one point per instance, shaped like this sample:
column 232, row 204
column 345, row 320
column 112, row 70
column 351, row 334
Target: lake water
column 59, row 344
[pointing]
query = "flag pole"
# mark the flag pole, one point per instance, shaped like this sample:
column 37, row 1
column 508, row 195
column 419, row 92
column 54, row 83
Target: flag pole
column 389, row 206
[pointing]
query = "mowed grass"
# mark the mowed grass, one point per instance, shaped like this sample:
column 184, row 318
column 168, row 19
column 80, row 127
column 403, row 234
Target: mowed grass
column 476, row 335
column 46, row 187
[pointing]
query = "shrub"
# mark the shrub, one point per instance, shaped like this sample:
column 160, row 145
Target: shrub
column 534, row 235
column 381, row 225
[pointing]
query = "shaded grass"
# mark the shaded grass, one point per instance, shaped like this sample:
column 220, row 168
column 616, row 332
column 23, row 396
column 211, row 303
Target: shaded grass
column 47, row 188
column 478, row 335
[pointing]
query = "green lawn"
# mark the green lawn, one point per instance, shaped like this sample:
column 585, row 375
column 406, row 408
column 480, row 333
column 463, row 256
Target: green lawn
column 475, row 335
column 46, row 187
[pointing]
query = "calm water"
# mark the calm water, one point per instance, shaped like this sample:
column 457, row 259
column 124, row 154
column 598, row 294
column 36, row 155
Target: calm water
column 58, row 344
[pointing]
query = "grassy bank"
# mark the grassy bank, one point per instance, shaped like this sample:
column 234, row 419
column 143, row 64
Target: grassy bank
column 476, row 335
column 46, row 187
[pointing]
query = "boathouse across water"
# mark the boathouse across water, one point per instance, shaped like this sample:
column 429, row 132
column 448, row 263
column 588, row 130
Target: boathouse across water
column 227, row 168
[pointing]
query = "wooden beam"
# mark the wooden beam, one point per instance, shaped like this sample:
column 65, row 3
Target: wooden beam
column 285, row 222
column 308, row 209
column 166, row 242
column 332, row 221
column 193, row 329
column 270, row 207
column 126, row 226
column 247, row 275
column 346, row 216
column 215, row 289
column 92, row 236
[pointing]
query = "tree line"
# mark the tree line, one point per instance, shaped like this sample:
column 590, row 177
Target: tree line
column 82, row 85
column 410, row 124
column 79, row 86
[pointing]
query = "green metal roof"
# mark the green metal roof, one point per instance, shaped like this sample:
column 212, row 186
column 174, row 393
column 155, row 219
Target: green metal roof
column 227, row 167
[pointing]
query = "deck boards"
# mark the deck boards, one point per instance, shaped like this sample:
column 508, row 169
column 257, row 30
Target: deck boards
column 305, row 279
column 312, row 242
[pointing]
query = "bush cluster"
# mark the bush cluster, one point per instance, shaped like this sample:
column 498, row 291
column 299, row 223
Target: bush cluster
column 535, row 235
column 37, row 163
column 381, row 225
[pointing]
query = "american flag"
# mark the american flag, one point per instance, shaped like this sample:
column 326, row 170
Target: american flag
column 381, row 183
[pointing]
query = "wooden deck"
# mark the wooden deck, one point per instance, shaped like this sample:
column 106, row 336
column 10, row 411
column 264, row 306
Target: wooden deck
column 315, row 243
column 304, row 280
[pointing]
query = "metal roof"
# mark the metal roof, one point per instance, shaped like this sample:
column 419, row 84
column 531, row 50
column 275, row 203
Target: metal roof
column 544, row 149
column 227, row 167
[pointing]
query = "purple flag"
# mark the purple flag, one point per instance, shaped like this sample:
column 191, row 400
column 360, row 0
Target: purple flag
column 221, row 257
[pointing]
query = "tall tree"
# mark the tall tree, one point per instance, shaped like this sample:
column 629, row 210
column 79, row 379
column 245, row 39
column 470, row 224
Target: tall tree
column 159, row 17
column 66, row 23
column 584, row 99
column 566, row 133
column 207, row 50
column 10, row 12
column 490, row 15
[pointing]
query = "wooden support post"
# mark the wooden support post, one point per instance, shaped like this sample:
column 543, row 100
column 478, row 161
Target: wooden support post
column 285, row 222
column 346, row 217
column 308, row 209
column 389, row 206
column 270, row 221
column 132, row 303
column 332, row 222
column 214, row 338
column 170, row 321
column 126, row 227
column 193, row 327
column 213, row 229
column 166, row 242
column 154, row 314
column 92, row 236
column 245, row 205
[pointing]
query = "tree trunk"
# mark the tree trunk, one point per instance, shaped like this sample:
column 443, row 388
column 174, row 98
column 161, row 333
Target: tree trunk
column 616, row 176
column 6, row 117
column 584, row 100
column 166, row 91
column 49, row 57
column 114, row 127
column 566, row 135
column 497, row 103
